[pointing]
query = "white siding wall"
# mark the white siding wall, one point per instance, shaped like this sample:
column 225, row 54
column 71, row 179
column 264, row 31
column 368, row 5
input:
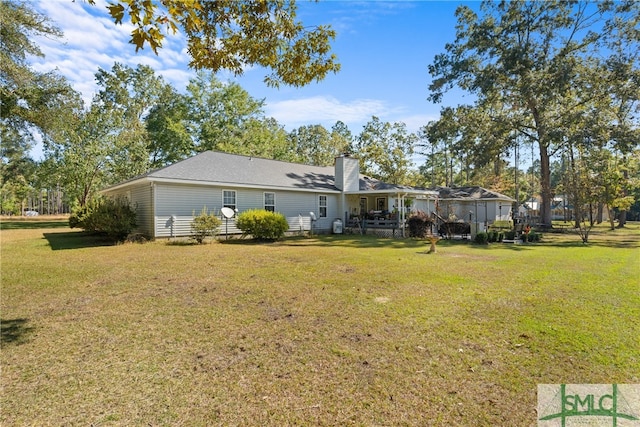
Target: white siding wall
column 141, row 199
column 183, row 201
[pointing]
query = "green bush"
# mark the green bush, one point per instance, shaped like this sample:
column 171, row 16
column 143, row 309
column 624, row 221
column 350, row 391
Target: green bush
column 482, row 238
column 111, row 217
column 503, row 224
column 419, row 225
column 510, row 235
column 262, row 224
column 533, row 237
column 204, row 225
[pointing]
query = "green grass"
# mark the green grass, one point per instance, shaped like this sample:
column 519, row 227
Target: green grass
column 329, row 330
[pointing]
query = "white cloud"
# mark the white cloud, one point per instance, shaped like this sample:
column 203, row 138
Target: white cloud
column 416, row 121
column 326, row 110
column 92, row 41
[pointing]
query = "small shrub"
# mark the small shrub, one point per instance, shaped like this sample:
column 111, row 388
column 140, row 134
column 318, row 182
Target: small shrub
column 204, row 225
column 534, row 237
column 496, row 236
column 419, row 225
column 111, row 217
column 78, row 216
column 482, row 238
column 509, row 235
column 262, row 224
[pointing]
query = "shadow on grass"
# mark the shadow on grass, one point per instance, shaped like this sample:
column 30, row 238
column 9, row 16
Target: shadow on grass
column 14, row 331
column 372, row 241
column 615, row 244
column 30, row 225
column 351, row 240
column 75, row 240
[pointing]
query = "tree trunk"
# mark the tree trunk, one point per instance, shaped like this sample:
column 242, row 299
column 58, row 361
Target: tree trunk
column 622, row 216
column 545, row 185
column 600, row 213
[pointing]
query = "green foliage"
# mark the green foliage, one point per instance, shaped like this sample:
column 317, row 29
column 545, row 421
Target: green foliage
column 168, row 129
column 495, row 236
column 204, row 225
column 547, row 90
column 225, row 117
column 262, row 224
column 482, row 238
column 532, row 237
column 315, row 145
column 503, row 224
column 113, row 218
column 385, row 151
column 232, row 35
column 79, row 215
column 419, row 225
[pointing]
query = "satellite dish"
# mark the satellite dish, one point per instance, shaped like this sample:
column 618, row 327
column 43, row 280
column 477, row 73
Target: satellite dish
column 227, row 212
column 313, row 216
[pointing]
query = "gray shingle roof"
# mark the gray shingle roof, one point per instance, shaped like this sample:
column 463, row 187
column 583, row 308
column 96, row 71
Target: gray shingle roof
column 470, row 193
column 214, row 167
column 217, row 167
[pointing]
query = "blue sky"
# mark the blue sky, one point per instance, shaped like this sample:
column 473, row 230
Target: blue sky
column 384, row 48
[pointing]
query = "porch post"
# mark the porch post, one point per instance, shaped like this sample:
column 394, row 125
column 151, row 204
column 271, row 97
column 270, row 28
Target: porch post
column 401, row 217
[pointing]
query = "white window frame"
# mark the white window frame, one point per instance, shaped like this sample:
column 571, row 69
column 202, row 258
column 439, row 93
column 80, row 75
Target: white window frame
column 233, row 205
column 271, row 207
column 323, row 206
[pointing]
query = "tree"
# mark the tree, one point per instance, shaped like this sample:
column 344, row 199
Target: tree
column 33, row 105
column 342, row 136
column 234, row 35
column 261, row 137
column 78, row 156
column 167, row 125
column 532, row 58
column 385, row 151
column 224, row 117
column 124, row 100
column 315, row 145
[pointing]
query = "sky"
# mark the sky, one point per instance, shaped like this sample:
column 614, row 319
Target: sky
column 384, row 48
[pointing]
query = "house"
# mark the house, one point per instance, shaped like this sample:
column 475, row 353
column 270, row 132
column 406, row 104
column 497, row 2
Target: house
column 476, row 205
column 310, row 197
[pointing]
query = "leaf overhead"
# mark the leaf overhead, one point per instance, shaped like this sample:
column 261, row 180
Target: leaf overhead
column 234, row 35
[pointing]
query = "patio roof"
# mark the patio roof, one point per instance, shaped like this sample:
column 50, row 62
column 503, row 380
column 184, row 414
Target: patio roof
column 370, row 185
column 474, row 193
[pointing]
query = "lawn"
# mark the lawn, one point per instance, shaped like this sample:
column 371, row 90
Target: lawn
column 327, row 330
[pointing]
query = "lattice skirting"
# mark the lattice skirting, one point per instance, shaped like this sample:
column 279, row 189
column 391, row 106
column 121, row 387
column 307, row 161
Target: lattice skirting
column 384, row 232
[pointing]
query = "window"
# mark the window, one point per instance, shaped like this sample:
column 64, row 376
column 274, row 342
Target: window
column 229, row 199
column 322, row 206
column 270, row 202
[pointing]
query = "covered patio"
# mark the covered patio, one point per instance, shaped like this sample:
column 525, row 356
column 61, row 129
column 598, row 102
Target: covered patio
column 382, row 209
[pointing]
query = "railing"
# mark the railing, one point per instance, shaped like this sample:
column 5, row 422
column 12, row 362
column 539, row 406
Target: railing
column 384, row 227
column 380, row 223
